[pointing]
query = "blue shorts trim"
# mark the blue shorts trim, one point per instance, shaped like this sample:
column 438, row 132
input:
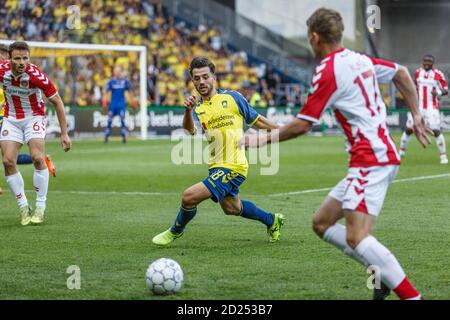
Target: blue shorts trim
column 223, row 182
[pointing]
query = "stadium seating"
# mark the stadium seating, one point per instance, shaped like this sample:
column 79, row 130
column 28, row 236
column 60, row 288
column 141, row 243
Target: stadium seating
column 171, row 44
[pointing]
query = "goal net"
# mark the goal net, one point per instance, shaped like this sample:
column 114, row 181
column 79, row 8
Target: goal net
column 80, row 72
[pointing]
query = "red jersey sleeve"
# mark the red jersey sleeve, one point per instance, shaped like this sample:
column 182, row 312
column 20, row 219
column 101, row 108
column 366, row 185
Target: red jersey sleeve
column 4, row 66
column 323, row 86
column 41, row 81
column 384, row 69
column 439, row 76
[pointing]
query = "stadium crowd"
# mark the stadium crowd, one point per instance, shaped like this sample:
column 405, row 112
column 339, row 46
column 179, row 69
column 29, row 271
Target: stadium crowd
column 171, row 44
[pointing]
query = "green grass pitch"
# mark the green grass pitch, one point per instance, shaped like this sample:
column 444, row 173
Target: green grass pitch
column 92, row 222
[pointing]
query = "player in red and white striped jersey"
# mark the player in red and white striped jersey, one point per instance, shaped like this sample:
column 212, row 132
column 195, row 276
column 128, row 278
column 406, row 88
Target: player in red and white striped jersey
column 348, row 82
column 24, row 123
column 431, row 85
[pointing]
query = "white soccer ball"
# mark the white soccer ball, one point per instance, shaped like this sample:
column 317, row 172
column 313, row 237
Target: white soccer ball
column 164, row 276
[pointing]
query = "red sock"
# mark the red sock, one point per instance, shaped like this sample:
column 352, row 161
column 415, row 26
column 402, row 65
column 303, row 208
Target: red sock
column 405, row 290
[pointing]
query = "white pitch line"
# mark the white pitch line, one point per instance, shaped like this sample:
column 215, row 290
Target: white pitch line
column 116, row 149
column 110, row 193
column 328, row 189
column 298, row 192
column 138, row 193
column 423, row 178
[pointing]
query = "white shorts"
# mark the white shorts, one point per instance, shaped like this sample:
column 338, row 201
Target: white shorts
column 23, row 130
column 432, row 119
column 364, row 189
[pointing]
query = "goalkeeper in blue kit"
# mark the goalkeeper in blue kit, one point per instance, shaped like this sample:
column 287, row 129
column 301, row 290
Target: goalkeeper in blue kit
column 115, row 92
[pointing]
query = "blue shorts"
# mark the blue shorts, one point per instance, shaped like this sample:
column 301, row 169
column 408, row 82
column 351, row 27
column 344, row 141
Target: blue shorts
column 116, row 112
column 223, row 182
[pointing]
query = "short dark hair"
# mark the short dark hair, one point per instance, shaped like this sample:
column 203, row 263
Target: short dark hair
column 18, row 45
column 201, row 62
column 327, row 23
column 3, row 48
column 428, row 55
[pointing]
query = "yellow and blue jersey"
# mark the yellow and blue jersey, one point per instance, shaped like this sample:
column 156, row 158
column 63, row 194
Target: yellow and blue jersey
column 222, row 118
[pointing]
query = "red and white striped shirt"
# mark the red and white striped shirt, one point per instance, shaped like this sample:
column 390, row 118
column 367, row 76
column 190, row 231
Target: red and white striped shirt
column 348, row 82
column 23, row 92
column 427, row 82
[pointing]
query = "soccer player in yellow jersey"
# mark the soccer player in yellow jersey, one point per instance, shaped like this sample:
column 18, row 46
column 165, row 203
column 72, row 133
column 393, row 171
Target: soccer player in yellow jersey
column 221, row 115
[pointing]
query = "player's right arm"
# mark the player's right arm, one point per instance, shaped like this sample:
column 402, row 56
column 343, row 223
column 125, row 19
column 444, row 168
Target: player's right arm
column 106, row 95
column 404, row 83
column 188, row 119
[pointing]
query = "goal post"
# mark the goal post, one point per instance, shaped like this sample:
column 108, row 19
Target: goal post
column 142, row 50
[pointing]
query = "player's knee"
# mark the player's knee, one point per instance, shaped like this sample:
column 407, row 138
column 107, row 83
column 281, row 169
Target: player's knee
column 37, row 158
column 231, row 210
column 436, row 133
column 188, row 199
column 408, row 131
column 319, row 227
column 9, row 162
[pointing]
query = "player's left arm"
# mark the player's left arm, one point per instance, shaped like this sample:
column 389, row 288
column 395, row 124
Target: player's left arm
column 387, row 71
column 265, row 124
column 251, row 116
column 442, row 83
column 43, row 82
column 403, row 82
column 128, row 97
column 56, row 100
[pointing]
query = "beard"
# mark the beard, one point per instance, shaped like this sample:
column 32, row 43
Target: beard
column 18, row 69
column 205, row 90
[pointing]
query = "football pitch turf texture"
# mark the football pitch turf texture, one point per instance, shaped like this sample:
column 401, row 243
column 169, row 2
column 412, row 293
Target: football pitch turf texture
column 108, row 201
